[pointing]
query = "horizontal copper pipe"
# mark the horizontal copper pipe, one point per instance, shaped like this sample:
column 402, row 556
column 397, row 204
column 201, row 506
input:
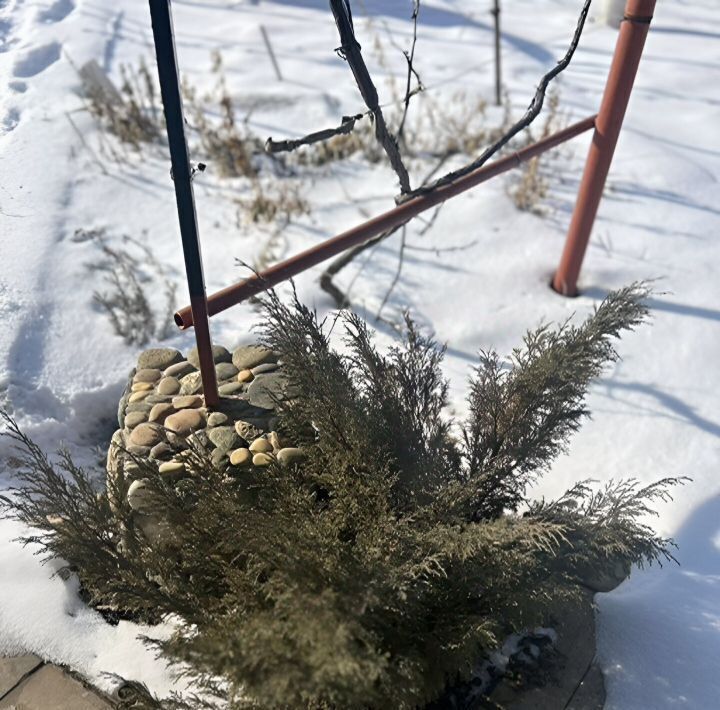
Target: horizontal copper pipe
column 232, row 295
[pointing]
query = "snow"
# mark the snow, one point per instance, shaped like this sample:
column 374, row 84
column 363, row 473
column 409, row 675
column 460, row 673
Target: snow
column 656, row 413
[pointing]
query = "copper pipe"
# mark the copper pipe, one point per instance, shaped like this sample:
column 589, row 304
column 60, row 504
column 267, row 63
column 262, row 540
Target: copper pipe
column 232, row 295
column 631, row 41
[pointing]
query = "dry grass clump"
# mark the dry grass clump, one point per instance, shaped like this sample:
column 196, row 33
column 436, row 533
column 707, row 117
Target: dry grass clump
column 275, row 202
column 530, row 184
column 133, row 279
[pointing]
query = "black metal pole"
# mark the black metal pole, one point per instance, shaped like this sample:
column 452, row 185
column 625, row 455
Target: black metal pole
column 498, row 70
column 162, row 27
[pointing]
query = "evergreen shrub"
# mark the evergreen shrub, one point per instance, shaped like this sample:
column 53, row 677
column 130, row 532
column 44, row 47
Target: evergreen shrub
column 399, row 553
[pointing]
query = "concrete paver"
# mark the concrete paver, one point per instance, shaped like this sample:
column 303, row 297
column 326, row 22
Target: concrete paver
column 50, row 688
column 13, row 670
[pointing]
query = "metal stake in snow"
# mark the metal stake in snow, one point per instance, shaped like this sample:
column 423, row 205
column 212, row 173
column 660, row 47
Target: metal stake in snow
column 182, row 177
column 495, row 12
column 628, row 51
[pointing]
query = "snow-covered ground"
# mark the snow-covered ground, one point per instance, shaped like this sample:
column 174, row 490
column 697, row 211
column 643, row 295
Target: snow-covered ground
column 656, row 413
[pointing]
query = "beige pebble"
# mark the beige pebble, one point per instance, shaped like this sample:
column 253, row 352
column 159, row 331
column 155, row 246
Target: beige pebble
column 262, row 459
column 168, row 385
column 147, row 375
column 171, row 467
column 160, row 411
column 262, row 446
column 132, row 419
column 188, row 401
column 141, row 387
column 145, row 435
column 245, row 376
column 138, row 396
column 241, row 457
column 179, row 369
column 184, row 421
column 138, row 495
column 217, row 418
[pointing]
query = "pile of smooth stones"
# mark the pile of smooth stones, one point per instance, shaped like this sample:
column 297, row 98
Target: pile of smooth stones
column 162, row 417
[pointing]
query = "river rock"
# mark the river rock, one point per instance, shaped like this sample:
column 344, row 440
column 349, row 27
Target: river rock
column 168, row 385
column 139, row 497
column 160, row 411
column 248, row 356
column 265, row 368
column 290, row 456
column 241, row 457
column 220, row 354
column 264, row 390
column 160, row 450
column 184, row 422
column 262, row 459
column 261, row 446
column 191, row 384
column 147, row 375
column 145, row 435
column 225, row 371
column 230, row 388
column 141, row 387
column 224, row 437
column 158, row 358
column 138, row 450
column 188, row 401
column 179, row 369
column 245, row 376
column 248, row 430
column 132, row 419
column 137, row 397
column 171, row 467
column 217, row 419
column 138, row 407
column 155, row 398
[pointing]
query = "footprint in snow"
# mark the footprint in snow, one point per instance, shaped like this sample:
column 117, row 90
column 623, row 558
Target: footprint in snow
column 57, row 11
column 37, row 60
column 11, row 120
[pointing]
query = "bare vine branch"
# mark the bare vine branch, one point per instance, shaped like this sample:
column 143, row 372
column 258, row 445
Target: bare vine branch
column 351, row 51
column 530, row 115
column 347, row 125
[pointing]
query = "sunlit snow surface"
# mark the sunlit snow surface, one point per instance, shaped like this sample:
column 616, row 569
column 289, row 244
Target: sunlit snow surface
column 656, row 413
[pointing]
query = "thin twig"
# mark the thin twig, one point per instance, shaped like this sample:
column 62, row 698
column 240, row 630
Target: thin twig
column 401, row 261
column 346, row 127
column 410, row 58
column 530, row 115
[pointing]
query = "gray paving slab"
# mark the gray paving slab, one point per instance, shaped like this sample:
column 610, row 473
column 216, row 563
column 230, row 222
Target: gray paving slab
column 50, row 688
column 13, row 670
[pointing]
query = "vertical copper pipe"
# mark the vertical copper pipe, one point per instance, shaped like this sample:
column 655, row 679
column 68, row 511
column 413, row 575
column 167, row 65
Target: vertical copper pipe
column 163, row 35
column 629, row 48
